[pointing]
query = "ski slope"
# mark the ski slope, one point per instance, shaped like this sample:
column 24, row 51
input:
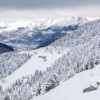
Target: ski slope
column 35, row 63
column 72, row 89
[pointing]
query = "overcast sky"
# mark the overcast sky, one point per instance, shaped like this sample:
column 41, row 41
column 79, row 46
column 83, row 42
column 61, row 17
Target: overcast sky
column 13, row 10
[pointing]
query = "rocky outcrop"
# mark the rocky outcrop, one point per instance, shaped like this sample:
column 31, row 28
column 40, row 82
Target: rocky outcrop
column 92, row 88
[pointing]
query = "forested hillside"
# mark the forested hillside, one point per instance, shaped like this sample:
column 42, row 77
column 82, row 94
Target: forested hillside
column 79, row 37
column 9, row 62
column 81, row 51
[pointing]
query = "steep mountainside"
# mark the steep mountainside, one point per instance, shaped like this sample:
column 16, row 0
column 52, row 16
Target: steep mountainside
column 82, row 52
column 81, row 36
column 5, row 48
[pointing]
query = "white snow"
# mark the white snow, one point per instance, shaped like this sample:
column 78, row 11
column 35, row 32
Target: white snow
column 35, row 63
column 42, row 23
column 72, row 89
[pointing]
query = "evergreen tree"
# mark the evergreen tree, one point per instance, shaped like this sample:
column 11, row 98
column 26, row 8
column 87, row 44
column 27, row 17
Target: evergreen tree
column 52, row 82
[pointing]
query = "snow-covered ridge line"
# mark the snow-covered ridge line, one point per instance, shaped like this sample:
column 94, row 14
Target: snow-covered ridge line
column 45, row 22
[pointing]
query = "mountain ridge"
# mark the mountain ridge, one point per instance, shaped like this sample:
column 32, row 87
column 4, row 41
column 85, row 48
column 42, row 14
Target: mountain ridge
column 39, row 32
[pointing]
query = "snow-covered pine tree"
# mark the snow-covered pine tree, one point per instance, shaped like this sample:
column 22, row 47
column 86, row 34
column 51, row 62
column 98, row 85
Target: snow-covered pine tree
column 52, row 82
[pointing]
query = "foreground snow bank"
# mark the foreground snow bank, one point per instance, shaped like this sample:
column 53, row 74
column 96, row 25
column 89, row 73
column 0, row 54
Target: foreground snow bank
column 73, row 88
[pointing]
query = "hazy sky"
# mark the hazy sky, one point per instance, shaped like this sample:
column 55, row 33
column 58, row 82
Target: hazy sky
column 13, row 10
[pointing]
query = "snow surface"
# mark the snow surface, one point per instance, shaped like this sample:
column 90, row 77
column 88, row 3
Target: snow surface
column 35, row 63
column 72, row 89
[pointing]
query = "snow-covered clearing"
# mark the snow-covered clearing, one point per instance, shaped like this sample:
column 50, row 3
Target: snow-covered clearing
column 72, row 89
column 35, row 63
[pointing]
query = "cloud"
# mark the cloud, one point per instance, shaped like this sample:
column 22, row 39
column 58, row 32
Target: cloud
column 34, row 9
column 47, row 4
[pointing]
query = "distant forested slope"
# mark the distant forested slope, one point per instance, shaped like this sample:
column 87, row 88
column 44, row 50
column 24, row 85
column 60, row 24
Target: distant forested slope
column 5, row 48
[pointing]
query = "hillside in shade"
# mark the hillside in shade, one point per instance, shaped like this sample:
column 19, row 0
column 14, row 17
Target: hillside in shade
column 5, row 48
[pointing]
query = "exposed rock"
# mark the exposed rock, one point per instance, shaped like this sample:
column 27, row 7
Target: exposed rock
column 98, row 83
column 43, row 57
column 92, row 88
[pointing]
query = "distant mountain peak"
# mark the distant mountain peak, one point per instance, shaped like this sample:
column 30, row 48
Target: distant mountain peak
column 38, row 31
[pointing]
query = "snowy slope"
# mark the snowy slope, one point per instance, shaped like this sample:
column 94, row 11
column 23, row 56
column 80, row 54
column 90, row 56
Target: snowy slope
column 81, row 50
column 72, row 89
column 81, row 36
column 51, row 58
column 84, row 50
column 33, row 64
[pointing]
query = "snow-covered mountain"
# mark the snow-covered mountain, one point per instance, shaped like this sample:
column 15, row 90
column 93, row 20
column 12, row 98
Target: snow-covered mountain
column 44, row 23
column 83, row 35
column 52, row 68
column 82, row 52
column 40, row 32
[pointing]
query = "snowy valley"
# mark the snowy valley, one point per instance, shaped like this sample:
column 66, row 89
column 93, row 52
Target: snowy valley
column 38, row 33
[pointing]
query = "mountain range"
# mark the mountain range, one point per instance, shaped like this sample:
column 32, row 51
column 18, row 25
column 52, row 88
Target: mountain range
column 40, row 32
